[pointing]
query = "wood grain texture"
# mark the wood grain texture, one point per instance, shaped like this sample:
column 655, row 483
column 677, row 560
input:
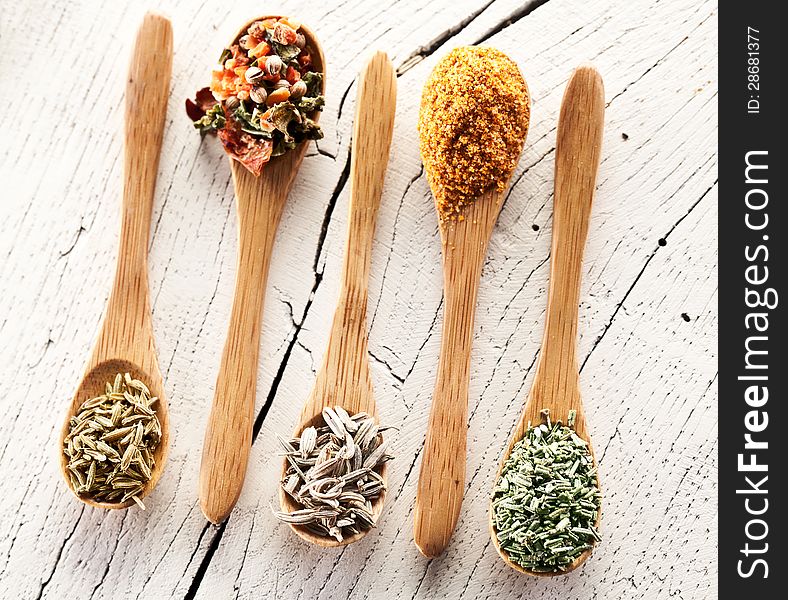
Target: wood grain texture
column 556, row 383
column 125, row 343
column 344, row 378
column 648, row 376
column 228, row 435
column 441, row 485
column 442, row 476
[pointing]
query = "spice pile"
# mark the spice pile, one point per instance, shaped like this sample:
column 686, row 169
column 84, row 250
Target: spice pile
column 473, row 121
column 547, row 500
column 333, row 474
column 111, row 442
column 261, row 94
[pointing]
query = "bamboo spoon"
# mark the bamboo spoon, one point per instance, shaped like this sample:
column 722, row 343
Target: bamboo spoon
column 556, row 383
column 344, row 378
column 442, row 476
column 125, row 342
column 260, row 202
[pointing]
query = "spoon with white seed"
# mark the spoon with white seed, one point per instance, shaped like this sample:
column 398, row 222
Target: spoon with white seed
column 344, row 379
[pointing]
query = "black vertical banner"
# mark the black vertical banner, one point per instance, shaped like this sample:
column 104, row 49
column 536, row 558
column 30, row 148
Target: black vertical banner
column 752, row 272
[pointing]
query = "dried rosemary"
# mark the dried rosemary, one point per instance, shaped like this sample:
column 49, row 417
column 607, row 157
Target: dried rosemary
column 547, row 500
column 334, row 474
column 111, row 442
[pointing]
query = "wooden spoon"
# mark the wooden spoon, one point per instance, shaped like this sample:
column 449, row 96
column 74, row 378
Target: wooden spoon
column 260, row 202
column 344, row 378
column 442, row 476
column 556, row 384
column 125, row 342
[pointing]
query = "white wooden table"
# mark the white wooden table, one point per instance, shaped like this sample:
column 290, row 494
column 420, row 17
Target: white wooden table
column 648, row 314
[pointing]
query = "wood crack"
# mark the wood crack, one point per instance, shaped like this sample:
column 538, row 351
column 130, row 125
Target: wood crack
column 111, row 554
column 45, row 583
column 640, row 274
column 515, row 16
column 424, row 51
column 191, row 593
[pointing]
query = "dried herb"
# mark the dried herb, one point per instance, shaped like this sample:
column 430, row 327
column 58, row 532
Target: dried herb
column 111, row 442
column 547, row 500
column 334, row 474
column 287, row 53
column 212, row 119
column 261, row 95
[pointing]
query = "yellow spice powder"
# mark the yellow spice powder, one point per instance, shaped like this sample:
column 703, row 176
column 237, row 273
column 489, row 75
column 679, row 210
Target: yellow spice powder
column 472, row 124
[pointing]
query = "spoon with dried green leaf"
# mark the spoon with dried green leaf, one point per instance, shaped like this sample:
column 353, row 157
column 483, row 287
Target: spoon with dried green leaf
column 545, row 508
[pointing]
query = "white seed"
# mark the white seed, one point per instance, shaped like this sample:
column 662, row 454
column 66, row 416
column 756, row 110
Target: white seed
column 253, row 74
column 273, row 64
column 298, row 90
column 258, row 95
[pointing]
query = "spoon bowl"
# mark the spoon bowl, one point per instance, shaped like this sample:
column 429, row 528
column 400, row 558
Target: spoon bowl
column 92, row 385
column 260, row 202
column 287, row 503
column 556, row 384
column 125, row 342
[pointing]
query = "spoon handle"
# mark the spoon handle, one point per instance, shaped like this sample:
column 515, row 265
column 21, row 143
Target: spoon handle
column 578, row 148
column 442, row 476
column 344, row 378
column 127, row 330
column 228, row 436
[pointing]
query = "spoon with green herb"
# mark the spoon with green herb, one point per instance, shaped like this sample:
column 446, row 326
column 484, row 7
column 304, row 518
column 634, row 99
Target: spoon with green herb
column 545, row 507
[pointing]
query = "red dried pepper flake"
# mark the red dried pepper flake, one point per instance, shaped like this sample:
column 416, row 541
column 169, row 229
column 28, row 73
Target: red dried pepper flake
column 241, row 59
column 292, row 75
column 195, row 112
column 203, row 100
column 253, row 153
column 284, row 34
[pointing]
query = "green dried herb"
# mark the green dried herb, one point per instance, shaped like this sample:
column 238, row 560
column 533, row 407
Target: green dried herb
column 547, row 500
column 309, row 104
column 250, row 121
column 287, row 53
column 212, row 120
column 111, row 442
column 282, row 115
column 314, row 83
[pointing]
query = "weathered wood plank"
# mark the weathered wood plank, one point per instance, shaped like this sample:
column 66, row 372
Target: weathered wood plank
column 648, row 375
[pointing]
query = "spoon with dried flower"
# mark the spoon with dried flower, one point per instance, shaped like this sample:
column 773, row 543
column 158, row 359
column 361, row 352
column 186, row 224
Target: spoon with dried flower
column 114, row 441
column 545, row 508
column 334, row 474
column 263, row 104
column 474, row 117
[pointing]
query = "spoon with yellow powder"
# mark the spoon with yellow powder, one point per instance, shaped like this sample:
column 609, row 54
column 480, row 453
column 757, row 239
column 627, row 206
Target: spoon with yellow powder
column 473, row 121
